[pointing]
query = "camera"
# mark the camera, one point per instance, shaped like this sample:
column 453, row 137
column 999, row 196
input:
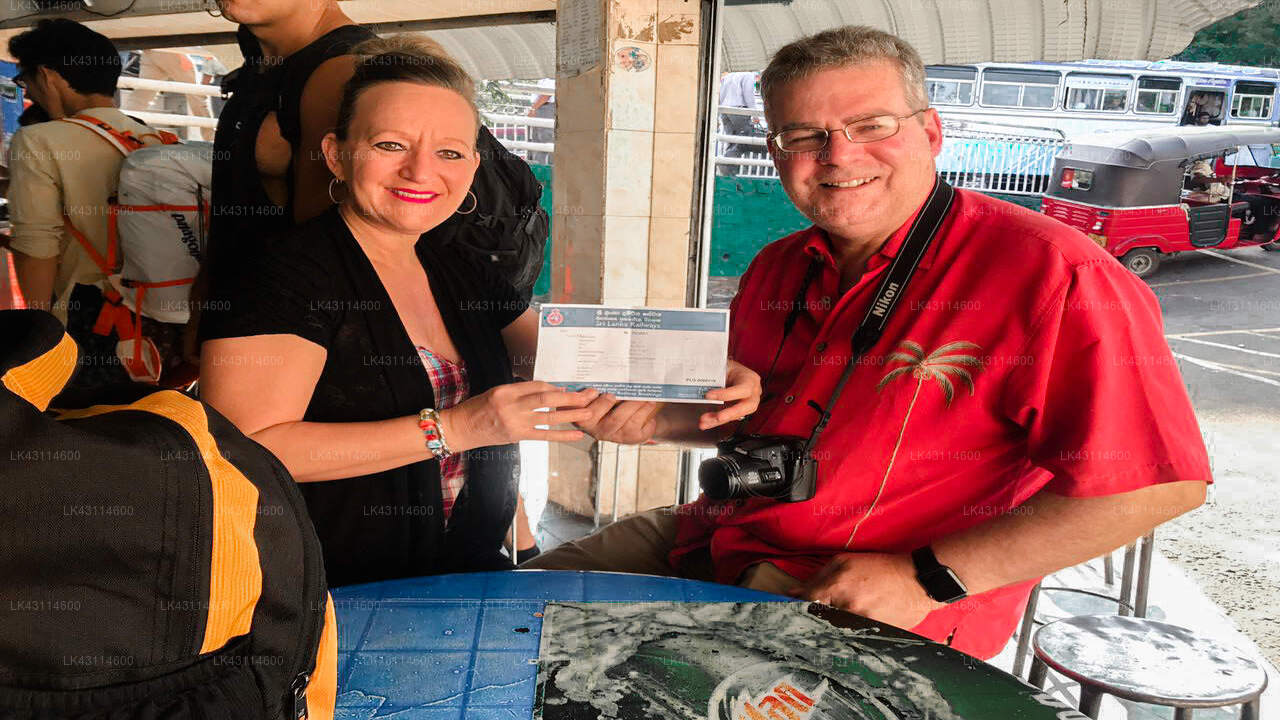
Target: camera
column 759, row 466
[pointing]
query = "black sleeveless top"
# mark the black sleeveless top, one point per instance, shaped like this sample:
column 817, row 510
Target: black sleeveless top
column 242, row 214
column 316, row 282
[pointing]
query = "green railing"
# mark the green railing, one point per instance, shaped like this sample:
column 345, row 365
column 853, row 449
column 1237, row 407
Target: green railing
column 749, row 213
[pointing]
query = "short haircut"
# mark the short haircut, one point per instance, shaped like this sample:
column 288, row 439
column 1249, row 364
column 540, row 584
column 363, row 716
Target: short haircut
column 403, row 58
column 86, row 59
column 843, row 47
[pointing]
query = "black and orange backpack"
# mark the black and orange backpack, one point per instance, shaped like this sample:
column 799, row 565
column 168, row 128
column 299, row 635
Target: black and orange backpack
column 155, row 563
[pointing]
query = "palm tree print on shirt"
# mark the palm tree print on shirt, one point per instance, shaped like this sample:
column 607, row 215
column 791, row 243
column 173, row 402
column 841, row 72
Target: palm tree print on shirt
column 941, row 365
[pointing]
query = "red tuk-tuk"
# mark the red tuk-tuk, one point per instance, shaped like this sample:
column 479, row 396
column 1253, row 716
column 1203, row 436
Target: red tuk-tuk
column 1135, row 193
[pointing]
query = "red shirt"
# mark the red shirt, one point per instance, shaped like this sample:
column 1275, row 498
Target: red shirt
column 1021, row 358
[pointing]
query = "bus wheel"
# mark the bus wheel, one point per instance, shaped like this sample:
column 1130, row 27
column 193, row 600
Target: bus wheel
column 1141, row 262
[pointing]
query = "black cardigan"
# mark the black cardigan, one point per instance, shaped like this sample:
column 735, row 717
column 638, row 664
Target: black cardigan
column 315, row 282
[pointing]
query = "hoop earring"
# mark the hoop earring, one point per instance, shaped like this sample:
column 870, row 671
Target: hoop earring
column 332, row 181
column 475, row 202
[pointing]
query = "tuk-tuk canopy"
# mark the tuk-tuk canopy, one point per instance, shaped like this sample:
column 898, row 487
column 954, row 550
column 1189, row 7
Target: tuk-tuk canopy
column 1141, row 149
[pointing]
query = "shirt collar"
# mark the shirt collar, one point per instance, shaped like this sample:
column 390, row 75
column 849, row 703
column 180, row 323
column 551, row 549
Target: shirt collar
column 818, row 244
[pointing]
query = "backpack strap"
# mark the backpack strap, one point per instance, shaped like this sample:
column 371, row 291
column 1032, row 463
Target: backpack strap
column 125, row 142
column 298, row 67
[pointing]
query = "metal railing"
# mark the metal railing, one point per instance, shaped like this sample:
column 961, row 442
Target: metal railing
column 171, row 120
column 983, row 156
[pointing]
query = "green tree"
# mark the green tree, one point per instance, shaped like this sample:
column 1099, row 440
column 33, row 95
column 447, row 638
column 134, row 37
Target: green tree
column 1250, row 37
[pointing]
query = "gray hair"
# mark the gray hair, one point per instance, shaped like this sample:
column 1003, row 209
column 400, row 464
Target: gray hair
column 843, row 47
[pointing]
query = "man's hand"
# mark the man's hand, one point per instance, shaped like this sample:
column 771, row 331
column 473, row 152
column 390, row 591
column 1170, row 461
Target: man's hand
column 630, row 422
column 633, row 422
column 741, row 395
column 879, row 586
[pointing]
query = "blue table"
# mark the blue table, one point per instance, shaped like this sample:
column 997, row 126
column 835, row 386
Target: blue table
column 468, row 646
column 454, row 646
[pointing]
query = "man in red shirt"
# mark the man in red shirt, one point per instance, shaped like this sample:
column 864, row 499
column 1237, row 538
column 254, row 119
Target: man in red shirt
column 1021, row 412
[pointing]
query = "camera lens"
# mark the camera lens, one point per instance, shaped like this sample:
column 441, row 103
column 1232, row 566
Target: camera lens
column 718, row 477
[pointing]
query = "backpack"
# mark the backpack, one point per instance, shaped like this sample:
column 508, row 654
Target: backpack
column 157, row 563
column 156, row 230
column 507, row 227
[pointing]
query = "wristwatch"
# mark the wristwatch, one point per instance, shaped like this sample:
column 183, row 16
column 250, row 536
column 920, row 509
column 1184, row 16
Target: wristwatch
column 939, row 581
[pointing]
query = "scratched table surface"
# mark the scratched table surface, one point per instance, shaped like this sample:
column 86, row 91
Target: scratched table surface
column 631, row 646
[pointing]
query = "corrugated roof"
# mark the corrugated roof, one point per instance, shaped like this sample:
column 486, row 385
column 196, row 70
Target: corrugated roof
column 944, row 31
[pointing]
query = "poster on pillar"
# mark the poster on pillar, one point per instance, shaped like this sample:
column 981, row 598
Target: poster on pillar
column 634, row 353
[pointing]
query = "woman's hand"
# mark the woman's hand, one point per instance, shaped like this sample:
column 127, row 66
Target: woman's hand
column 509, row 413
column 741, row 395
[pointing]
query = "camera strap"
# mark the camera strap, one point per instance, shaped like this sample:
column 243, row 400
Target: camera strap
column 892, row 287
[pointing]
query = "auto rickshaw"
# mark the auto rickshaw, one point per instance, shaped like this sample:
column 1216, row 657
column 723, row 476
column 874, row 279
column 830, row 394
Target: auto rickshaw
column 1147, row 194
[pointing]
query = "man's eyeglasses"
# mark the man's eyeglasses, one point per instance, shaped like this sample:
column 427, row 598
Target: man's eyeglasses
column 866, row 130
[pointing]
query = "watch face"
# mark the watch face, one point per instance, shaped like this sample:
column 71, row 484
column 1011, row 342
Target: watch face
column 943, row 585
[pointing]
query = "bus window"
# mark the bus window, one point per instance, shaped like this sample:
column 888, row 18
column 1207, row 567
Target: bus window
column 1099, row 93
column 950, row 85
column 1252, row 100
column 1157, row 95
column 1020, row 88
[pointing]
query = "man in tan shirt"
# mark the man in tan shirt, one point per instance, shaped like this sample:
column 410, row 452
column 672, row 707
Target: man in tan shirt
column 61, row 169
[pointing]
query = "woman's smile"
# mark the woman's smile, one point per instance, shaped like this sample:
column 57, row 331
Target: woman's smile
column 414, row 196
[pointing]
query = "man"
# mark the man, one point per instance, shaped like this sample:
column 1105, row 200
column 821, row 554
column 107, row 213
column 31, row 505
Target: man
column 63, row 170
column 1021, row 412
column 738, row 90
column 173, row 65
column 1203, row 179
column 544, row 106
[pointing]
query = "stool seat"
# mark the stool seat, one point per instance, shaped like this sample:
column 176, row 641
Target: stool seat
column 1148, row 661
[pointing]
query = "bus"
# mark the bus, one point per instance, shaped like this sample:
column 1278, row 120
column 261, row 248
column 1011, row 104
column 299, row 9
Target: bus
column 1005, row 122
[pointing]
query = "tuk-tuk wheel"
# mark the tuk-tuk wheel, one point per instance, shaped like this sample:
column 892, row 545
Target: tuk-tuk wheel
column 1273, row 246
column 1142, row 262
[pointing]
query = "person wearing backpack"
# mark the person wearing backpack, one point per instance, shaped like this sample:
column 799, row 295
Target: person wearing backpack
column 63, row 175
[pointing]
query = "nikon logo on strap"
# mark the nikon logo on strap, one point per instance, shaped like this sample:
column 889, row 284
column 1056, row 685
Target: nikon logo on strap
column 885, row 299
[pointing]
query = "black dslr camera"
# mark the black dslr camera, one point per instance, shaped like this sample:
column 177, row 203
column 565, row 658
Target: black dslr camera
column 759, row 466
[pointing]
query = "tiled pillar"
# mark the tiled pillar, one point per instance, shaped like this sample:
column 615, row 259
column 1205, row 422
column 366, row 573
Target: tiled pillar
column 627, row 101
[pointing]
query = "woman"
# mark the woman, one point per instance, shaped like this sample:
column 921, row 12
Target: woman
column 321, row 354
column 378, row 367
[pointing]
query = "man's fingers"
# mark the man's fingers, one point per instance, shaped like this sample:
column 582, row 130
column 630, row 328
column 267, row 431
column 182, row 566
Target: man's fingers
column 620, row 415
column 599, row 408
column 733, row 392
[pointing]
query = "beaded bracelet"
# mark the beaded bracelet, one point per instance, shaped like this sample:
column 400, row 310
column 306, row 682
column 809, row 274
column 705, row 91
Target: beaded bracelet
column 433, row 434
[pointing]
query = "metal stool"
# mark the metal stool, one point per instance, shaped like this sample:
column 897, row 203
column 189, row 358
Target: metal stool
column 1148, row 662
column 1132, row 599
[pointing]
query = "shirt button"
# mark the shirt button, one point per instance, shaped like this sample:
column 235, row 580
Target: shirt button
column 822, row 346
column 789, row 399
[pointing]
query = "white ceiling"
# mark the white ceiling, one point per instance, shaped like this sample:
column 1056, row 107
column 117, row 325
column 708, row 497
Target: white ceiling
column 944, row 31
